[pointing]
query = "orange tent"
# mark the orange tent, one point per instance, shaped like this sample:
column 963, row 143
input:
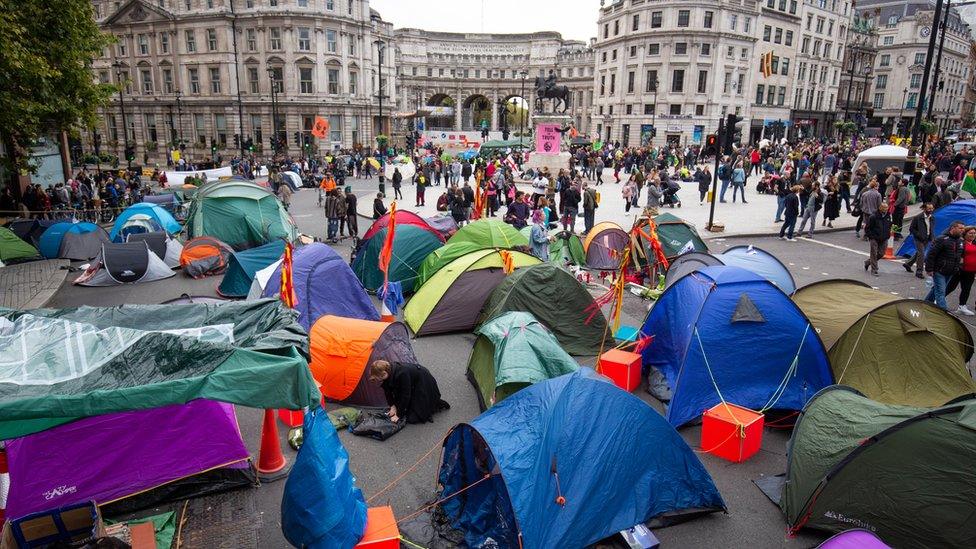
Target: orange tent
column 344, row 348
column 205, row 256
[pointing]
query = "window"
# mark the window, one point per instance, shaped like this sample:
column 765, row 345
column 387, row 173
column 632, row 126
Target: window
column 256, row 128
column 656, row 18
column 785, row 66
column 830, row 28
column 781, row 96
column 143, row 44
column 912, row 100
column 274, row 39
column 210, row 4
column 354, row 82
column 220, row 125
column 211, row 39
column 770, row 95
column 305, row 80
column 147, row 83
column 303, row 3
column 707, row 23
column 603, row 84
column 278, row 79
column 788, row 38
column 603, row 58
column 681, row 48
column 330, row 41
column 606, row 30
column 733, row 21
column 304, row 39
column 767, row 33
column 352, row 46
column 699, row 110
column 333, row 81
column 151, row 135
column 730, row 53
column 684, row 18
column 793, row 7
column 816, row 48
column 633, row 51
column 747, row 26
column 760, row 93
column 678, row 81
column 653, row 49
column 774, row 64
column 916, row 81
column 887, row 41
column 335, row 127
column 120, row 46
column 630, row 109
column 675, row 109
column 616, row 27
column 778, row 36
column 881, row 82
column 827, row 48
column 613, row 83
column 631, row 77
column 727, row 82
column 214, row 80
column 805, row 45
column 200, row 127
column 878, row 100
column 635, row 22
column 191, row 41
column 167, row 80
column 885, row 60
column 164, row 42
column 194, row 77
column 613, row 55
column 740, row 87
column 330, row 5
column 702, row 81
column 651, row 83
column 252, row 79
column 648, row 108
column 820, row 25
column 920, row 58
column 251, row 39
column 706, row 50
column 249, row 4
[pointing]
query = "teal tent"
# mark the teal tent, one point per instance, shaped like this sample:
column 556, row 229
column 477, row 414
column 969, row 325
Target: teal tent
column 242, row 266
column 411, row 245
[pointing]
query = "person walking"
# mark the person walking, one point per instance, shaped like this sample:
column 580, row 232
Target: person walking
column 570, row 205
column 285, row 192
column 598, row 170
column 628, row 192
column 813, row 205
column 725, row 176
column 397, row 181
column 539, row 236
column 589, row 207
column 654, row 196
column 877, row 229
column 967, row 271
column 334, row 209
column 704, row 182
column 942, row 262
column 739, row 182
column 791, row 210
column 899, row 200
column 421, row 179
column 379, row 209
column 831, row 203
column 869, row 201
column 921, row 233
column 352, row 221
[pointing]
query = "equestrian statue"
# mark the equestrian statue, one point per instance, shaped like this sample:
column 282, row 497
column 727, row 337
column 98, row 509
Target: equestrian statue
column 546, row 88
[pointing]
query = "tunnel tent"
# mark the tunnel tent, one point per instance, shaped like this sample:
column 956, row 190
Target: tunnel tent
column 513, row 351
column 343, row 350
column 411, row 245
column 452, row 299
column 705, row 363
column 324, row 285
column 13, row 249
column 124, row 263
column 566, row 248
column 205, row 256
column 403, row 217
column 490, row 233
column 677, row 235
column 604, row 245
column 168, row 249
column 959, row 210
column 442, row 256
column 688, row 262
column 240, row 214
column 620, row 452
column 244, row 264
column 556, row 299
column 893, row 350
column 905, row 472
column 143, row 217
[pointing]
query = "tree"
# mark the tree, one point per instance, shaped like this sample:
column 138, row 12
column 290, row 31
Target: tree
column 45, row 67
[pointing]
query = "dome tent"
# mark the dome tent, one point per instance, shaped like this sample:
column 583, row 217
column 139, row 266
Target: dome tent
column 537, row 289
column 604, row 245
column 143, row 217
column 893, row 350
column 30, row 230
column 13, row 249
column 451, row 300
column 124, row 263
column 411, row 245
column 705, row 362
column 676, row 235
column 905, row 472
column 77, row 241
column 753, row 259
column 244, row 264
column 324, row 285
column 343, row 350
column 567, row 249
column 620, row 453
column 513, row 351
column 490, row 233
column 443, row 256
column 205, row 256
column 403, row 217
column 240, row 214
column 960, row 210
column 686, row 263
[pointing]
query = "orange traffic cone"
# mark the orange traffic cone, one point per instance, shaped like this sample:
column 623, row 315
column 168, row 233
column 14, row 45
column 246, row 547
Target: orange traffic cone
column 890, row 248
column 271, row 462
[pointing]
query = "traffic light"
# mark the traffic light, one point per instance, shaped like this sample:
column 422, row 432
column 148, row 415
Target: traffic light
column 307, row 140
column 733, row 132
column 130, row 152
column 237, row 140
column 711, row 145
column 213, row 145
column 249, row 144
column 298, row 139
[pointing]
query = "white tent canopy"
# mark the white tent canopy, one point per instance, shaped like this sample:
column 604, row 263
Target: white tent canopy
column 880, row 157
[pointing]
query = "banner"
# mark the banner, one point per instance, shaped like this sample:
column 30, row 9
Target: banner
column 321, row 127
column 178, row 178
column 547, row 138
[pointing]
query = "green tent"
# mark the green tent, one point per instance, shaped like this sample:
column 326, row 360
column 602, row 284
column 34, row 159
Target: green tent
column 557, row 300
column 411, row 245
column 451, row 299
column 243, row 265
column 13, row 249
column 894, row 350
column 443, row 256
column 904, row 473
column 675, row 234
column 494, row 145
column 567, row 249
column 63, row 365
column 240, row 214
column 490, row 233
column 513, row 351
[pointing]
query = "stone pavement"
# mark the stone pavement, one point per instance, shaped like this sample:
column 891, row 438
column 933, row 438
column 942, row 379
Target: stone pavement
column 31, row 285
column 741, row 219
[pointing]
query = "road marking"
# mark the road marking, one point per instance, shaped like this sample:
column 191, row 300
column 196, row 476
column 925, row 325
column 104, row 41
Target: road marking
column 825, row 274
column 303, row 215
column 829, row 245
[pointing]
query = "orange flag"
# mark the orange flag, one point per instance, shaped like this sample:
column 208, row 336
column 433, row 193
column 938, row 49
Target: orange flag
column 508, row 262
column 321, row 127
column 386, row 252
column 287, row 285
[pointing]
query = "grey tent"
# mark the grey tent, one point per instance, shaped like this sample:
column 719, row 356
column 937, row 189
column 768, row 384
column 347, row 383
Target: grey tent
column 83, row 245
column 124, row 263
column 167, row 248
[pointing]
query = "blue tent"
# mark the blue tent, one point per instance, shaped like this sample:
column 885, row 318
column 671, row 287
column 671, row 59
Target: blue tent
column 762, row 263
column 613, row 458
column 324, row 285
column 49, row 244
column 243, row 264
column 960, row 210
column 321, row 507
column 726, row 330
column 143, row 212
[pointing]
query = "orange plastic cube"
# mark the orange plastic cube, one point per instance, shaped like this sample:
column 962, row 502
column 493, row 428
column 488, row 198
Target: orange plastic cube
column 731, row 432
column 622, row 367
column 382, row 531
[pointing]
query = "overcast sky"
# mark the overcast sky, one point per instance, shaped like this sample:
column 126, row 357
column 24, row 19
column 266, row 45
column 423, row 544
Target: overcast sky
column 575, row 19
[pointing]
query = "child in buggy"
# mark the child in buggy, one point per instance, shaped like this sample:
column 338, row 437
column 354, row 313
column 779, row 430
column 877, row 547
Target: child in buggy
column 670, row 197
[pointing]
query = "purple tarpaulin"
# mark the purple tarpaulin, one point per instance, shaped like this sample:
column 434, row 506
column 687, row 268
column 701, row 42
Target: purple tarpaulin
column 109, row 457
column 854, row 539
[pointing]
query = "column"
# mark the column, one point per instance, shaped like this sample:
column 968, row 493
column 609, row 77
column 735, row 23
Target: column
column 495, row 126
column 457, row 113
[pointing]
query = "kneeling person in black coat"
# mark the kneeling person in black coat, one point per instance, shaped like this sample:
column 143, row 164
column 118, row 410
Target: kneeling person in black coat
column 410, row 388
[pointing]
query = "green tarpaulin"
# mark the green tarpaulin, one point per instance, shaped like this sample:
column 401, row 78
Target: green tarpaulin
column 514, row 351
column 59, row 366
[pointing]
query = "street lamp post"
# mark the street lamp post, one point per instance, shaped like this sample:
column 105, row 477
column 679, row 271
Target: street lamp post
column 380, row 50
column 275, row 137
column 179, row 116
column 125, row 125
column 938, row 59
column 523, row 74
column 901, row 108
column 855, row 55
column 654, row 84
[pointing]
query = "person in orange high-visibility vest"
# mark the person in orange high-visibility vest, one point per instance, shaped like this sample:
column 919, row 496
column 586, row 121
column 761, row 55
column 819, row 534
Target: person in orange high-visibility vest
column 328, row 183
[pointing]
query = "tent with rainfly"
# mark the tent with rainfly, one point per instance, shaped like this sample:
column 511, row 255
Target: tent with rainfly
column 490, row 233
column 78, row 241
column 750, row 258
column 13, row 249
column 443, row 256
column 30, row 230
column 677, row 235
column 701, row 327
column 904, row 472
column 143, row 217
column 604, row 246
column 513, row 351
column 451, row 300
column 960, row 210
column 343, row 350
column 616, row 465
column 240, row 214
column 243, row 264
column 411, row 245
column 894, row 350
column 577, row 323
column 403, row 217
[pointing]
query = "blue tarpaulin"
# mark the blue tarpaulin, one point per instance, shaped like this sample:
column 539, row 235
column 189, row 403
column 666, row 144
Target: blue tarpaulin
column 618, row 464
column 960, row 210
column 322, row 508
column 725, row 329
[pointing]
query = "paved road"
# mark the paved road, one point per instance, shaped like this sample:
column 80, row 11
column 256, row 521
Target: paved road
column 251, row 516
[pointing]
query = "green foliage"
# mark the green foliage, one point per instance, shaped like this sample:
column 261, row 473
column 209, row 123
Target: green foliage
column 45, row 66
column 928, row 127
column 845, row 126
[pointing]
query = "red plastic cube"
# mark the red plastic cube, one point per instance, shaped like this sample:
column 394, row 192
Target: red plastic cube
column 731, row 432
column 382, row 531
column 622, row 367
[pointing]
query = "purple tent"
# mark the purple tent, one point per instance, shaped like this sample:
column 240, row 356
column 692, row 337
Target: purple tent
column 114, row 456
column 854, row 539
column 324, row 285
column 443, row 224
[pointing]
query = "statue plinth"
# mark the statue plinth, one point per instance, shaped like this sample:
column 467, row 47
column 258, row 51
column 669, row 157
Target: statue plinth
column 547, row 146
